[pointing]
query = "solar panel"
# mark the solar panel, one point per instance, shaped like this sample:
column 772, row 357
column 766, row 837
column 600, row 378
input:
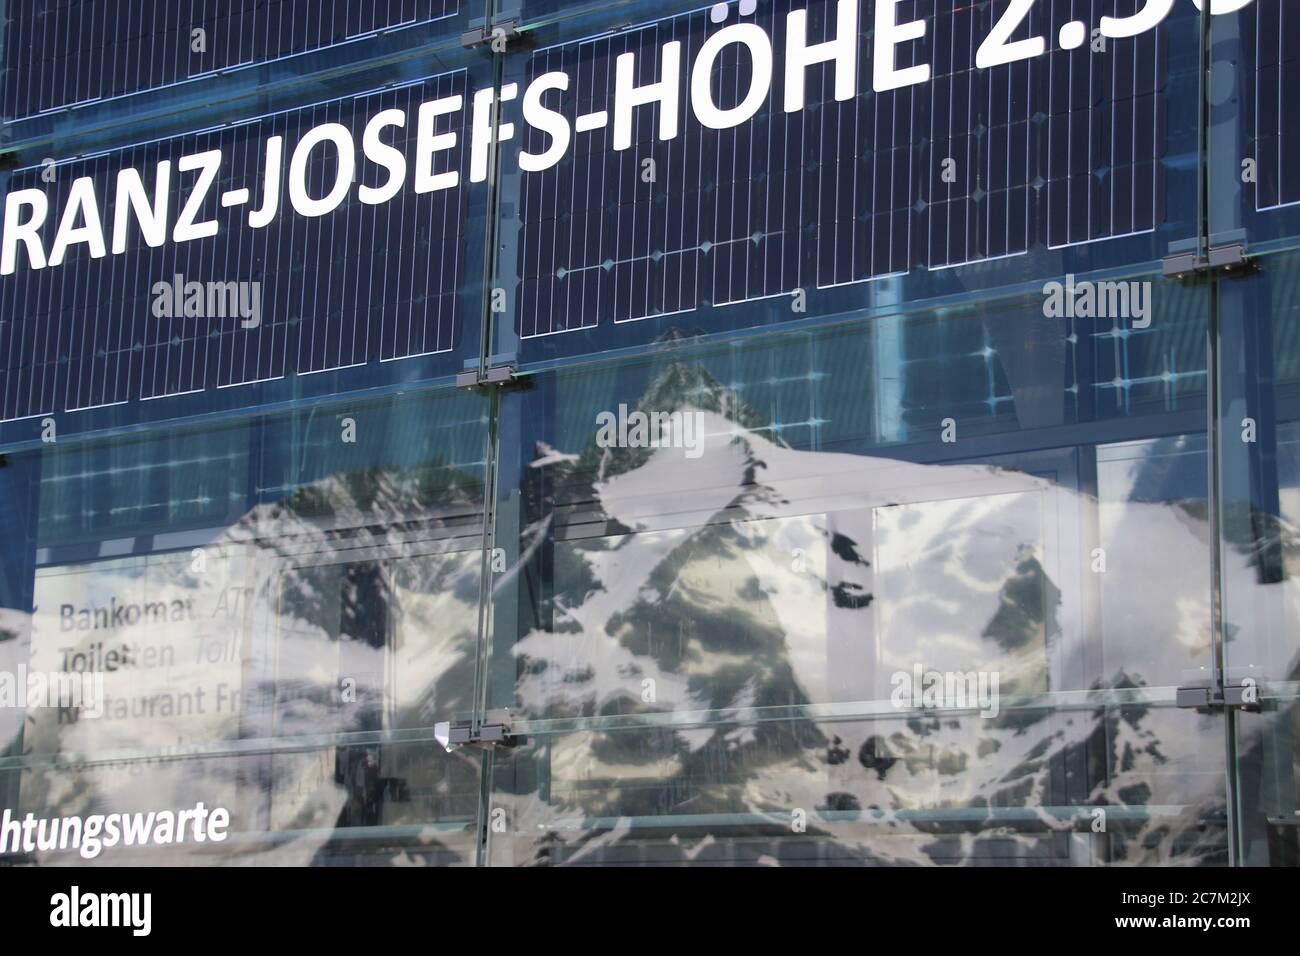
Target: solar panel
column 1106, row 130
column 360, row 283
column 58, row 52
column 1277, row 103
column 1054, row 150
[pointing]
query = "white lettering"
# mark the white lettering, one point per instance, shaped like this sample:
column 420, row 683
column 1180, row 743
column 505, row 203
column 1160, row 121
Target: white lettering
column 131, row 197
column 760, row 52
column 337, row 134
column 889, row 34
column 381, row 154
column 81, row 202
column 842, row 51
column 427, row 143
column 548, row 121
column 28, row 232
column 627, row 96
column 186, row 228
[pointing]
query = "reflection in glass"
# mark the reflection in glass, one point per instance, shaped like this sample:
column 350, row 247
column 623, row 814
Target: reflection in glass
column 279, row 646
column 1123, row 785
column 332, row 806
column 712, row 639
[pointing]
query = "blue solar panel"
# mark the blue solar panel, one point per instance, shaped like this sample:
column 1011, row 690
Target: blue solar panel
column 1277, row 103
column 364, row 282
column 60, row 52
column 1054, row 150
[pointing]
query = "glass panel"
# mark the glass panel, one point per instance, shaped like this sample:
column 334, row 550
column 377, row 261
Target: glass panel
column 1253, row 148
column 1047, row 787
column 268, row 617
column 59, row 55
column 1260, row 491
column 830, row 525
column 359, row 805
column 789, row 205
column 280, row 260
column 862, row 496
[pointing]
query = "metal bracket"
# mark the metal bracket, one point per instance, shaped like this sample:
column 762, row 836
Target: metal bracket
column 483, row 35
column 1207, row 700
column 495, row 375
column 1230, row 259
column 462, row 734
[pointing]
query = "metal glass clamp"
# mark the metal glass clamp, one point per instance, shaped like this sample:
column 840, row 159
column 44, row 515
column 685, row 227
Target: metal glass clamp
column 463, row 734
column 1243, row 696
column 1230, row 259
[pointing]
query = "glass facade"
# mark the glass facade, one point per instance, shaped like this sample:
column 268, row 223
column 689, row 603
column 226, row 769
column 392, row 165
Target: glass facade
column 812, row 432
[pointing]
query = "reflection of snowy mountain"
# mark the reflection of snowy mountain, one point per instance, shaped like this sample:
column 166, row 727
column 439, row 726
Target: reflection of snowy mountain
column 357, row 614
column 764, row 583
column 729, row 624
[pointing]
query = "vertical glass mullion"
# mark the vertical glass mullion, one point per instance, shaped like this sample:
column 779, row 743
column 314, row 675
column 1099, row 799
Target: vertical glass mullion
column 1213, row 430
column 492, row 457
